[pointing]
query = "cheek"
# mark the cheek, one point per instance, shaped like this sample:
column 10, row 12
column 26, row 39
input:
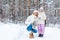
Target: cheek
column 37, row 15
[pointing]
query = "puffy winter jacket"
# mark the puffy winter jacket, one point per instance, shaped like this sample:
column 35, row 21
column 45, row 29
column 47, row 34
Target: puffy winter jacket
column 31, row 20
column 42, row 18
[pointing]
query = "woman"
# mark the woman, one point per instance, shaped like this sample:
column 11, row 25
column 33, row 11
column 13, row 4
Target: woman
column 31, row 21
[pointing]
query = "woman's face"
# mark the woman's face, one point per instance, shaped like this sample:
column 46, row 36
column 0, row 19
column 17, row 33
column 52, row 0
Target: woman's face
column 36, row 13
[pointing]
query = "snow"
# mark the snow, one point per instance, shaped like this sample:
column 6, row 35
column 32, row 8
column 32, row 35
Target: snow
column 12, row 31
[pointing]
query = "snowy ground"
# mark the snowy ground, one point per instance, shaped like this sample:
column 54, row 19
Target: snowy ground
column 12, row 31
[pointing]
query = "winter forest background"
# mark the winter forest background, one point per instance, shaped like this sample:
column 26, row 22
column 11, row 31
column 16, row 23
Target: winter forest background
column 16, row 11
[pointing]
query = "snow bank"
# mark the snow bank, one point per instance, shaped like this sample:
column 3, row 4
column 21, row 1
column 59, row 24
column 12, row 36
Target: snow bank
column 9, row 31
column 12, row 31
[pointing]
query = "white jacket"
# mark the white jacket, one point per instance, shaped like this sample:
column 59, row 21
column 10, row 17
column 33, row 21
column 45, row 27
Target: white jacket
column 31, row 19
column 42, row 18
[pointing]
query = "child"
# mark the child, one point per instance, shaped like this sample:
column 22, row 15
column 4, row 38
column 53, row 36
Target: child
column 30, row 21
column 41, row 22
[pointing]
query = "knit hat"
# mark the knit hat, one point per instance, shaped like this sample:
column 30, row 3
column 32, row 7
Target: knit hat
column 35, row 11
column 41, row 8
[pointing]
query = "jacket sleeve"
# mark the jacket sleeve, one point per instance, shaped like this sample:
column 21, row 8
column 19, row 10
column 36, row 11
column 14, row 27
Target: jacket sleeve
column 29, row 20
column 44, row 16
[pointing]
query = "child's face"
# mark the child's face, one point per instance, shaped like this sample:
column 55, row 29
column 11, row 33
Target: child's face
column 41, row 11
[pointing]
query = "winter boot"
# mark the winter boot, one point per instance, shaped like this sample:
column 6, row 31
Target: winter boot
column 31, row 35
column 40, row 35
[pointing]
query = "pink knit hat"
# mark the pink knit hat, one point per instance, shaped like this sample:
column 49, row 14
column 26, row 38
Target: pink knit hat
column 35, row 11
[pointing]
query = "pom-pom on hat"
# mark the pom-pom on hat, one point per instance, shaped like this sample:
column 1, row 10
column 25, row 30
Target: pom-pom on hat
column 41, row 8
